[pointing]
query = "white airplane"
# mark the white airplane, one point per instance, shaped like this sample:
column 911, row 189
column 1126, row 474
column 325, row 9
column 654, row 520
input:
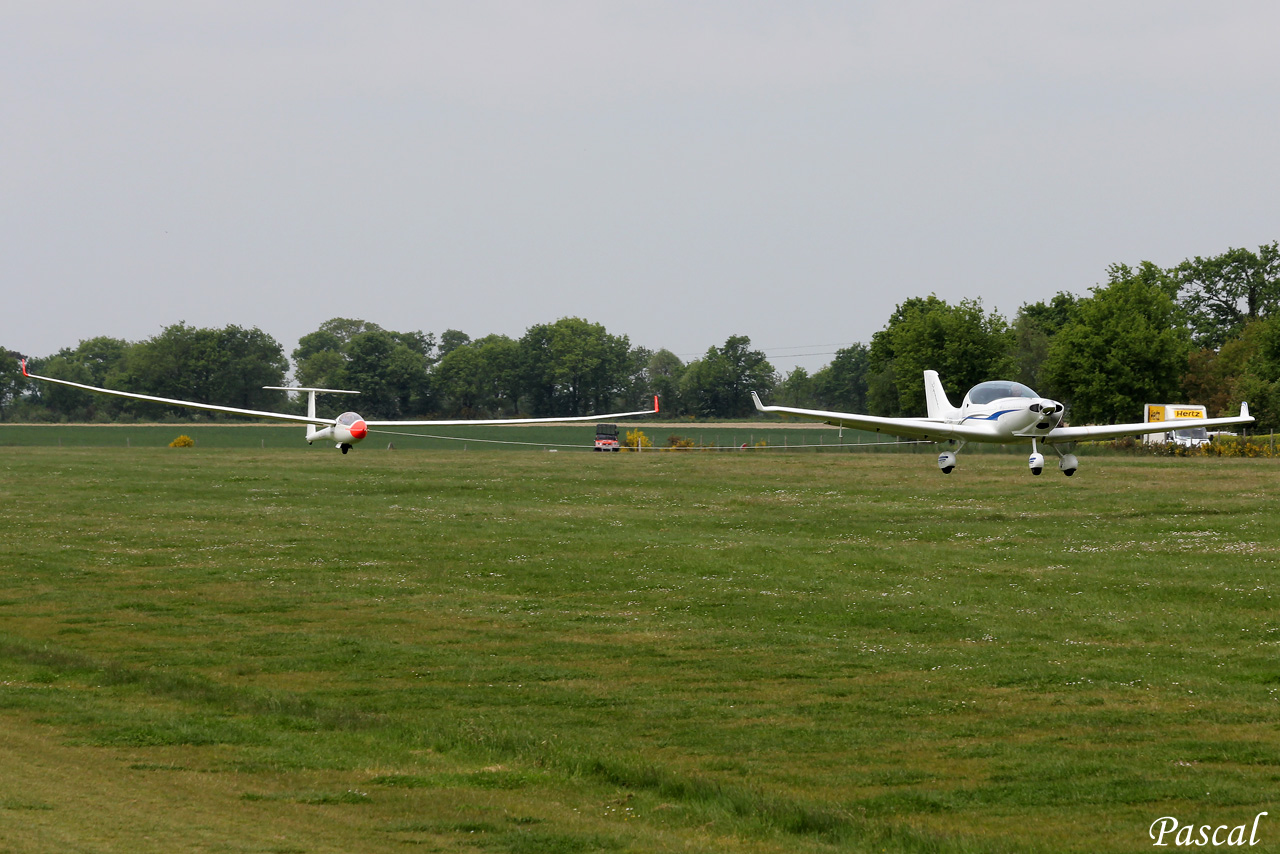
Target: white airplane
column 348, row 428
column 999, row 412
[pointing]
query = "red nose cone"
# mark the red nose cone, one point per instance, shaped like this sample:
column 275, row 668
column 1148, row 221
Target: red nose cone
column 359, row 430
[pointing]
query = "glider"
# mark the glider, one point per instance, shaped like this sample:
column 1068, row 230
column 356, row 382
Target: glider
column 1000, row 412
column 347, row 429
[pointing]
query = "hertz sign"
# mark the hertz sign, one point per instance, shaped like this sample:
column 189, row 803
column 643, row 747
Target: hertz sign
column 1173, row 412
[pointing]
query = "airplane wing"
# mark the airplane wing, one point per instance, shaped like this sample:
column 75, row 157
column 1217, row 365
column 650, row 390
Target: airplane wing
column 1115, row 431
column 473, row 422
column 209, row 407
column 909, row 428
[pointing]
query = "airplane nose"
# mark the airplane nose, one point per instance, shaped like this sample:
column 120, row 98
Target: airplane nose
column 1048, row 410
column 359, row 430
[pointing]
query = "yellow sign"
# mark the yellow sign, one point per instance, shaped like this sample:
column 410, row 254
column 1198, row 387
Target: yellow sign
column 1173, row 411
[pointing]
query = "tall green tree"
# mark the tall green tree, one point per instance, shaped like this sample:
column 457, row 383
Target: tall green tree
column 1032, row 329
column 1223, row 293
column 1245, row 368
column 572, row 367
column 450, row 340
column 1214, row 377
column 480, row 378
column 964, row 343
column 1125, row 346
column 12, row 382
column 321, row 358
column 795, row 389
column 369, row 357
column 228, row 366
column 720, row 383
column 97, row 361
column 390, row 369
column 252, row 359
column 662, row 373
column 843, row 384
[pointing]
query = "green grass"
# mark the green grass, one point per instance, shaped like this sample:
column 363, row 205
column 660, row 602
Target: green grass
column 283, row 650
column 521, row 438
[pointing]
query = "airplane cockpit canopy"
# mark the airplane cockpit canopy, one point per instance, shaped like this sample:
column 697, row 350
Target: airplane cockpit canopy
column 346, row 419
column 997, row 389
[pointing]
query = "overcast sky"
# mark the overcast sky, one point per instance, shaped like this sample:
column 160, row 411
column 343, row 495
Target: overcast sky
column 677, row 171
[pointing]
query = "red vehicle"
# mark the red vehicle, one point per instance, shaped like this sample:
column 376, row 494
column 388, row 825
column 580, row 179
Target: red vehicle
column 607, row 437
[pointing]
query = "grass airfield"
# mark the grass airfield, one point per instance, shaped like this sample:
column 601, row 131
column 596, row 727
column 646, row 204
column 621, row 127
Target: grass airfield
column 279, row 650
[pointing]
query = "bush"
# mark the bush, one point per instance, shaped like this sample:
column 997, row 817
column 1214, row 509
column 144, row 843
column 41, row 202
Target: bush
column 183, row 441
column 636, row 441
column 1236, row 446
column 1221, row 446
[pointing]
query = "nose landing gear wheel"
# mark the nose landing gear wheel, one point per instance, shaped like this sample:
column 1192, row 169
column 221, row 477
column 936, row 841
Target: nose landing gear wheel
column 947, row 461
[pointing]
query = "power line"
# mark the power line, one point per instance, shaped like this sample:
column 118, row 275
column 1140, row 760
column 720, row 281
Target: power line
column 778, row 351
column 840, row 344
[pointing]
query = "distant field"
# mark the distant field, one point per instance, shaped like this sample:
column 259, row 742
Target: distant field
column 249, row 649
column 566, row 437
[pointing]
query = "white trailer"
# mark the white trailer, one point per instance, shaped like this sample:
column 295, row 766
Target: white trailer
column 1190, row 436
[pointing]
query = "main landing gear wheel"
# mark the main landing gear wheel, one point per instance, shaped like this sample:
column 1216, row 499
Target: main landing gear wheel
column 946, row 461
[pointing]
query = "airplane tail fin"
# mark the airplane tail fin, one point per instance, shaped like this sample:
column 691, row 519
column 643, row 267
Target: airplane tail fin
column 940, row 408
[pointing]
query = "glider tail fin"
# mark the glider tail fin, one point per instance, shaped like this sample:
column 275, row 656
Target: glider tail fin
column 939, row 407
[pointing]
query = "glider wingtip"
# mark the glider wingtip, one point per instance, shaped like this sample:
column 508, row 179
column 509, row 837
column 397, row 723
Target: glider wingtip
column 23, row 362
column 755, row 398
column 1244, row 409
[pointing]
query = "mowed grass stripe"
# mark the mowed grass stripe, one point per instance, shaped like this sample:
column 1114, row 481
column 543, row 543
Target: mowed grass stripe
column 569, row 437
column 594, row 652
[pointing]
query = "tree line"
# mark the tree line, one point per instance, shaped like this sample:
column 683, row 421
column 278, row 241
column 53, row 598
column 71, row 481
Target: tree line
column 1204, row 331
column 569, row 367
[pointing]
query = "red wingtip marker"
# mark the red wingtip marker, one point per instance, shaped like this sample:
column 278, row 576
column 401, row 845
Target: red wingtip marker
column 24, row 367
column 655, row 403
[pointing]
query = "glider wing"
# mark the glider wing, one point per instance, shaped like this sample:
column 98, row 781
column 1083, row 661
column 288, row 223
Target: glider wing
column 374, row 425
column 303, row 419
column 190, row 404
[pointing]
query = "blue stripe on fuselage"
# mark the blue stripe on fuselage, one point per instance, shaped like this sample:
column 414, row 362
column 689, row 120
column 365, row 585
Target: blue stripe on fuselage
column 995, row 416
